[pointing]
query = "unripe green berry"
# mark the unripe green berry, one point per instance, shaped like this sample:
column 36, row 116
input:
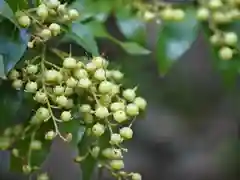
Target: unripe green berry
column 61, row 8
column 31, row 87
column 73, row 14
column 120, row 116
column 126, row 132
column 98, row 129
column 70, row 104
column 15, row 152
column 116, row 139
column 14, row 74
column 50, row 135
column 84, row 83
column 101, row 112
column 140, row 102
column 91, row 67
column 216, row 39
column 167, row 14
column 129, row 94
column 100, row 62
column 117, row 75
column 69, row 63
column 105, row 87
column 58, row 90
column 40, row 97
column 17, row 84
column 80, row 73
column 117, row 106
column 115, row 89
column 42, row 11
column 66, row 116
column 53, row 3
column 148, row 16
column 117, row 164
column 36, row 145
column 71, row 82
column 220, row 18
column 88, row 118
column 85, row 108
column 26, row 169
column 215, row 4
column 42, row 113
column 42, row 176
column 230, row 38
column 66, row 17
column 55, row 29
column 68, row 91
column 112, row 153
column 32, row 69
column 62, row 101
column 132, row 109
column 46, row 34
column 24, row 21
column 226, row 53
column 136, row 176
column 100, row 74
column 203, row 14
column 178, row 14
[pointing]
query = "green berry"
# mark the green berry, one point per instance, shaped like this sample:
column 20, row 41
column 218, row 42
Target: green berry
column 215, row 4
column 58, row 90
column 100, row 62
column 26, row 169
column 66, row 116
column 61, row 8
column 69, row 63
column 140, row 102
column 80, row 73
column 31, row 87
column 95, row 151
column 62, row 101
column 129, row 94
column 46, row 34
column 132, row 109
column 53, row 3
column 101, row 112
column 36, row 145
column 42, row 176
column 117, row 106
column 42, row 11
column 32, row 69
column 226, row 53
column 136, row 176
column 230, row 38
column 167, row 14
column 85, row 108
column 88, row 118
column 100, row 74
column 117, row 164
column 55, row 29
column 14, row 74
column 115, row 139
column 120, row 116
column 216, row 39
column 42, row 113
column 117, row 75
column 24, row 21
column 50, row 135
column 71, row 82
column 91, row 67
column 70, row 104
column 126, row 132
column 178, row 14
column 73, row 14
column 84, row 83
column 203, row 14
column 68, row 91
column 105, row 87
column 40, row 97
column 51, row 75
column 17, row 84
column 98, row 129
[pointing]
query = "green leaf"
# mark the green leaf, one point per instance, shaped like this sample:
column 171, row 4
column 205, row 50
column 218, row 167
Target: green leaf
column 131, row 27
column 7, row 12
column 2, row 71
column 175, row 38
column 82, row 35
column 13, row 43
column 134, row 48
column 98, row 29
column 17, row 5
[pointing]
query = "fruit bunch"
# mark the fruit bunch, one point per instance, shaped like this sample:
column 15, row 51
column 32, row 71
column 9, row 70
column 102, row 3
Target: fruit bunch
column 87, row 93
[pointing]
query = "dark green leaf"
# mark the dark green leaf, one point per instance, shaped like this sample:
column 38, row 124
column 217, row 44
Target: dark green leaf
column 175, row 38
column 17, row 5
column 82, row 35
column 98, row 29
column 134, row 48
column 13, row 43
column 131, row 27
column 6, row 11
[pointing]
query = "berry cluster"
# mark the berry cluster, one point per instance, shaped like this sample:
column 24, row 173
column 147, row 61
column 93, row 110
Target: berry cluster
column 45, row 20
column 88, row 93
column 218, row 14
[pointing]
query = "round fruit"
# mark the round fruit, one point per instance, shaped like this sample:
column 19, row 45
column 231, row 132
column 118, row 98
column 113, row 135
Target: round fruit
column 105, row 87
column 129, row 94
column 14, row 74
column 61, row 8
column 84, row 83
column 120, row 116
column 40, row 97
column 50, row 135
column 46, row 34
column 73, row 14
column 115, row 139
column 36, row 145
column 117, row 164
column 126, row 132
column 117, row 106
column 62, row 101
column 167, row 14
column 100, row 74
column 42, row 176
column 117, row 75
column 71, row 82
column 31, row 87
column 80, row 73
column 203, row 14
column 88, row 118
column 42, row 11
column 32, row 69
column 53, row 3
column 100, row 62
column 68, row 91
column 95, row 151
column 55, row 29
column 136, row 176
column 216, row 39
column 69, row 63
column 98, row 129
column 132, row 109
column 17, row 84
column 42, row 113
column 215, row 4
column 178, row 14
column 58, row 90
column 91, row 67
column 101, row 112
column 226, row 53
column 85, row 108
column 230, row 38
column 140, row 102
column 24, row 21
column 66, row 116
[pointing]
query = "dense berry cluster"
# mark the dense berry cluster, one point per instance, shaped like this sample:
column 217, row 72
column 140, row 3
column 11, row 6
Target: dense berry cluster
column 219, row 13
column 88, row 93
